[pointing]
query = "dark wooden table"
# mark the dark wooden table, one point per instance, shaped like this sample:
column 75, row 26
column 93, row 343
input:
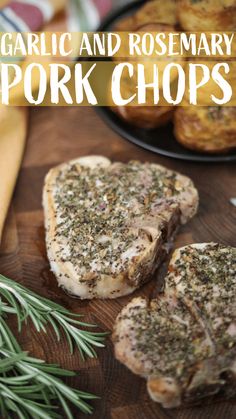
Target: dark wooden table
column 59, row 134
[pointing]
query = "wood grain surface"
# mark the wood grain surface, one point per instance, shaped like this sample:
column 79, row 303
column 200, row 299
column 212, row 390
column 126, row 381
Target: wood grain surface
column 59, row 134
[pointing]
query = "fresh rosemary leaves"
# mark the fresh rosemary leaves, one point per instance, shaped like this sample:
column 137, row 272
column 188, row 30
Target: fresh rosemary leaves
column 30, row 388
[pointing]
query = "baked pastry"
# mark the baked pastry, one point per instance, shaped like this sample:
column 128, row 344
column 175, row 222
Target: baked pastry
column 184, row 341
column 109, row 225
column 207, row 15
column 155, row 11
column 154, row 16
column 208, row 129
column 146, row 116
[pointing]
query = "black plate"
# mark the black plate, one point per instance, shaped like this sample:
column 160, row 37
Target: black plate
column 160, row 140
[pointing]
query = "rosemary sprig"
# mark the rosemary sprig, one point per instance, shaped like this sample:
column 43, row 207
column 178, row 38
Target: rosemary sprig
column 26, row 304
column 29, row 387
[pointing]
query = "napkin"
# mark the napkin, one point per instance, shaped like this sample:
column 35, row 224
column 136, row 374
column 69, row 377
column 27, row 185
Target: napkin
column 26, row 16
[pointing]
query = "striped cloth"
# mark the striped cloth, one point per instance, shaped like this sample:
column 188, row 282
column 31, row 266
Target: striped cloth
column 86, row 15
column 25, row 15
column 30, row 15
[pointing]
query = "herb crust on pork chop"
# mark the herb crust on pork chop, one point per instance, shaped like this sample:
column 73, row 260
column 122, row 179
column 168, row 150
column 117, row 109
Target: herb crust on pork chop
column 109, row 225
column 184, row 341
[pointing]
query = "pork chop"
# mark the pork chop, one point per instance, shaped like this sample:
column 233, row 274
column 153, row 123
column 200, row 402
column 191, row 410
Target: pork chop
column 109, row 225
column 184, row 341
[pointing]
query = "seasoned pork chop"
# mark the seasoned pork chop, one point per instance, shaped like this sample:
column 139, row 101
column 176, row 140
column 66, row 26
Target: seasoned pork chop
column 184, row 342
column 109, row 225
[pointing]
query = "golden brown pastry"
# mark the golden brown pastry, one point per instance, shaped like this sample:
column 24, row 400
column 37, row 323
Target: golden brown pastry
column 207, row 15
column 154, row 16
column 147, row 117
column 149, row 60
column 210, row 129
column 142, row 116
column 148, row 27
column 155, row 11
column 126, row 24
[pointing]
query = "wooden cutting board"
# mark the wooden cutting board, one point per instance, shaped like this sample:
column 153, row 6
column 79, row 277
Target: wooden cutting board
column 58, row 134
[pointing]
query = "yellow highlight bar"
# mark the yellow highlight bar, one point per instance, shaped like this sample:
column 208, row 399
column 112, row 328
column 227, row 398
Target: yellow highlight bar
column 118, row 69
column 118, row 44
column 109, row 83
